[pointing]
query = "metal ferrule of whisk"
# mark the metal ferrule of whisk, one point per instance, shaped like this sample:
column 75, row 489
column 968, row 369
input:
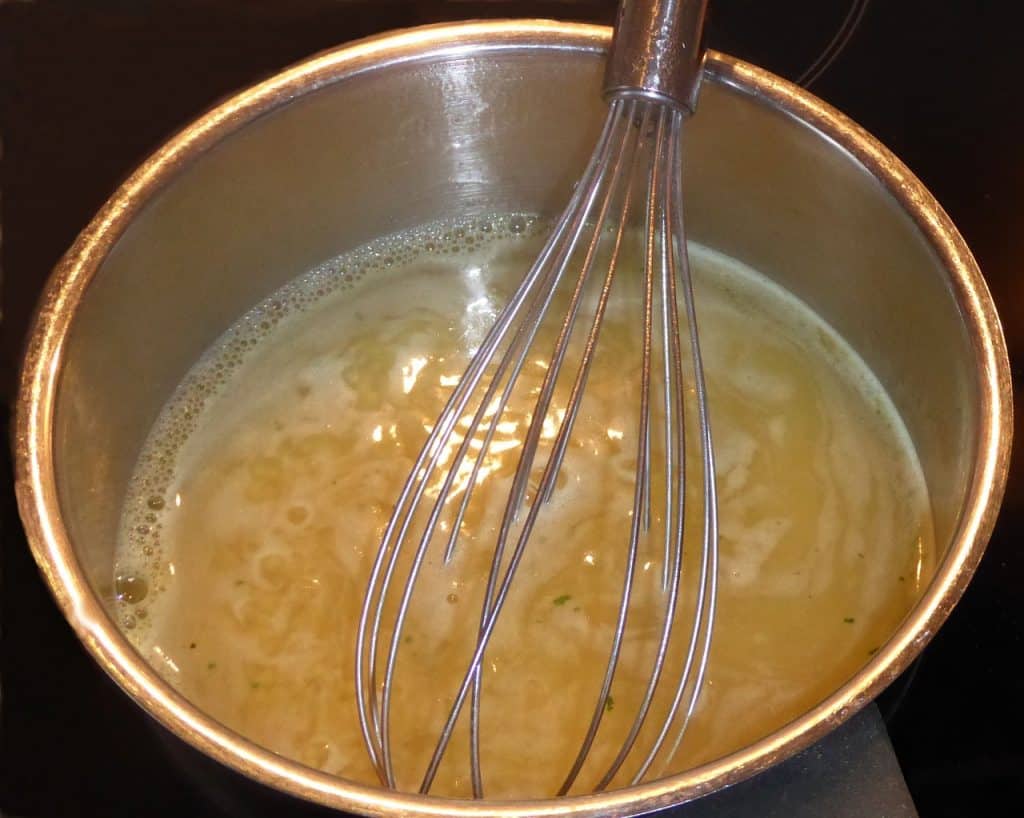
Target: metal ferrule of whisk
column 634, row 178
column 657, row 52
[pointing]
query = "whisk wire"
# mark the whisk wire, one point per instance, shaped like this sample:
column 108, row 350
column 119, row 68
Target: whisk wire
column 540, row 281
column 640, row 484
column 635, row 129
column 698, row 649
column 368, row 707
column 493, row 604
column 658, row 243
column 543, row 402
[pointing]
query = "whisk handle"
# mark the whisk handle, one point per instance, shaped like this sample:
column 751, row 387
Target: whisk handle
column 657, row 51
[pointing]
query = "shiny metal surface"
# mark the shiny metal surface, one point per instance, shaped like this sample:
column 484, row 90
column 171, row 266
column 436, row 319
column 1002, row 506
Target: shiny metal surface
column 657, row 51
column 632, row 181
column 488, row 117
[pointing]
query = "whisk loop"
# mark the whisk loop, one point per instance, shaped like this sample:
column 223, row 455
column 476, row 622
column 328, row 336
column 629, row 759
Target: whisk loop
column 634, row 176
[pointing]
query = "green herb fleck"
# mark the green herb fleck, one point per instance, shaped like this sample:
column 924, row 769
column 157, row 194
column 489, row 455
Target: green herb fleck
column 192, row 646
column 609, row 703
column 577, row 609
column 254, row 685
column 211, row 665
column 407, row 639
column 239, row 582
column 561, row 600
column 902, row 579
column 849, row 620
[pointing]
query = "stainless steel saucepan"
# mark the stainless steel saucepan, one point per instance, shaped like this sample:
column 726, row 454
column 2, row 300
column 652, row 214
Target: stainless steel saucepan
column 395, row 131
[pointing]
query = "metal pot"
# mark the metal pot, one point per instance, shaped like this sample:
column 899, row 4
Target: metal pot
column 394, row 131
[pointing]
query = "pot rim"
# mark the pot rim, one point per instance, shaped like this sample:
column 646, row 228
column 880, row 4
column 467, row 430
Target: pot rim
column 51, row 544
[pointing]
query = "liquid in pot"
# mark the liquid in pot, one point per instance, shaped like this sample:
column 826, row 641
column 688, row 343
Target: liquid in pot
column 260, row 497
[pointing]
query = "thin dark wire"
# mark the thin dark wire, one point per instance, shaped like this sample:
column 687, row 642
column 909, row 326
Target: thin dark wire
column 902, row 689
column 836, row 45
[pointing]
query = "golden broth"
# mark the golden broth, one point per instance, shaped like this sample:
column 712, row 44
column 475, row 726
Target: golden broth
column 259, row 500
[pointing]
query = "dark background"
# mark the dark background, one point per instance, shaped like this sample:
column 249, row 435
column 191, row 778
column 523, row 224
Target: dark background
column 87, row 90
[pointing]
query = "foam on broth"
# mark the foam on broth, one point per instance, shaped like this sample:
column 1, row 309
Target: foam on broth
column 259, row 499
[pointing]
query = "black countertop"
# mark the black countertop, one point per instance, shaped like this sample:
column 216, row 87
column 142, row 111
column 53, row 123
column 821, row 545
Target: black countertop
column 87, row 90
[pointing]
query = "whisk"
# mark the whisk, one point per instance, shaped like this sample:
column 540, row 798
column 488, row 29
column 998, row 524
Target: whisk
column 651, row 84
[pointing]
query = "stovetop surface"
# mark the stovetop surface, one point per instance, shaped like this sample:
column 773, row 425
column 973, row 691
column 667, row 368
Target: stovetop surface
column 88, row 89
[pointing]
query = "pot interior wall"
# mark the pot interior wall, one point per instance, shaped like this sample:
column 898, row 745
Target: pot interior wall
column 402, row 145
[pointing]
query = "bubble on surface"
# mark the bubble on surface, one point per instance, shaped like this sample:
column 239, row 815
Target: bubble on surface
column 139, row 544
